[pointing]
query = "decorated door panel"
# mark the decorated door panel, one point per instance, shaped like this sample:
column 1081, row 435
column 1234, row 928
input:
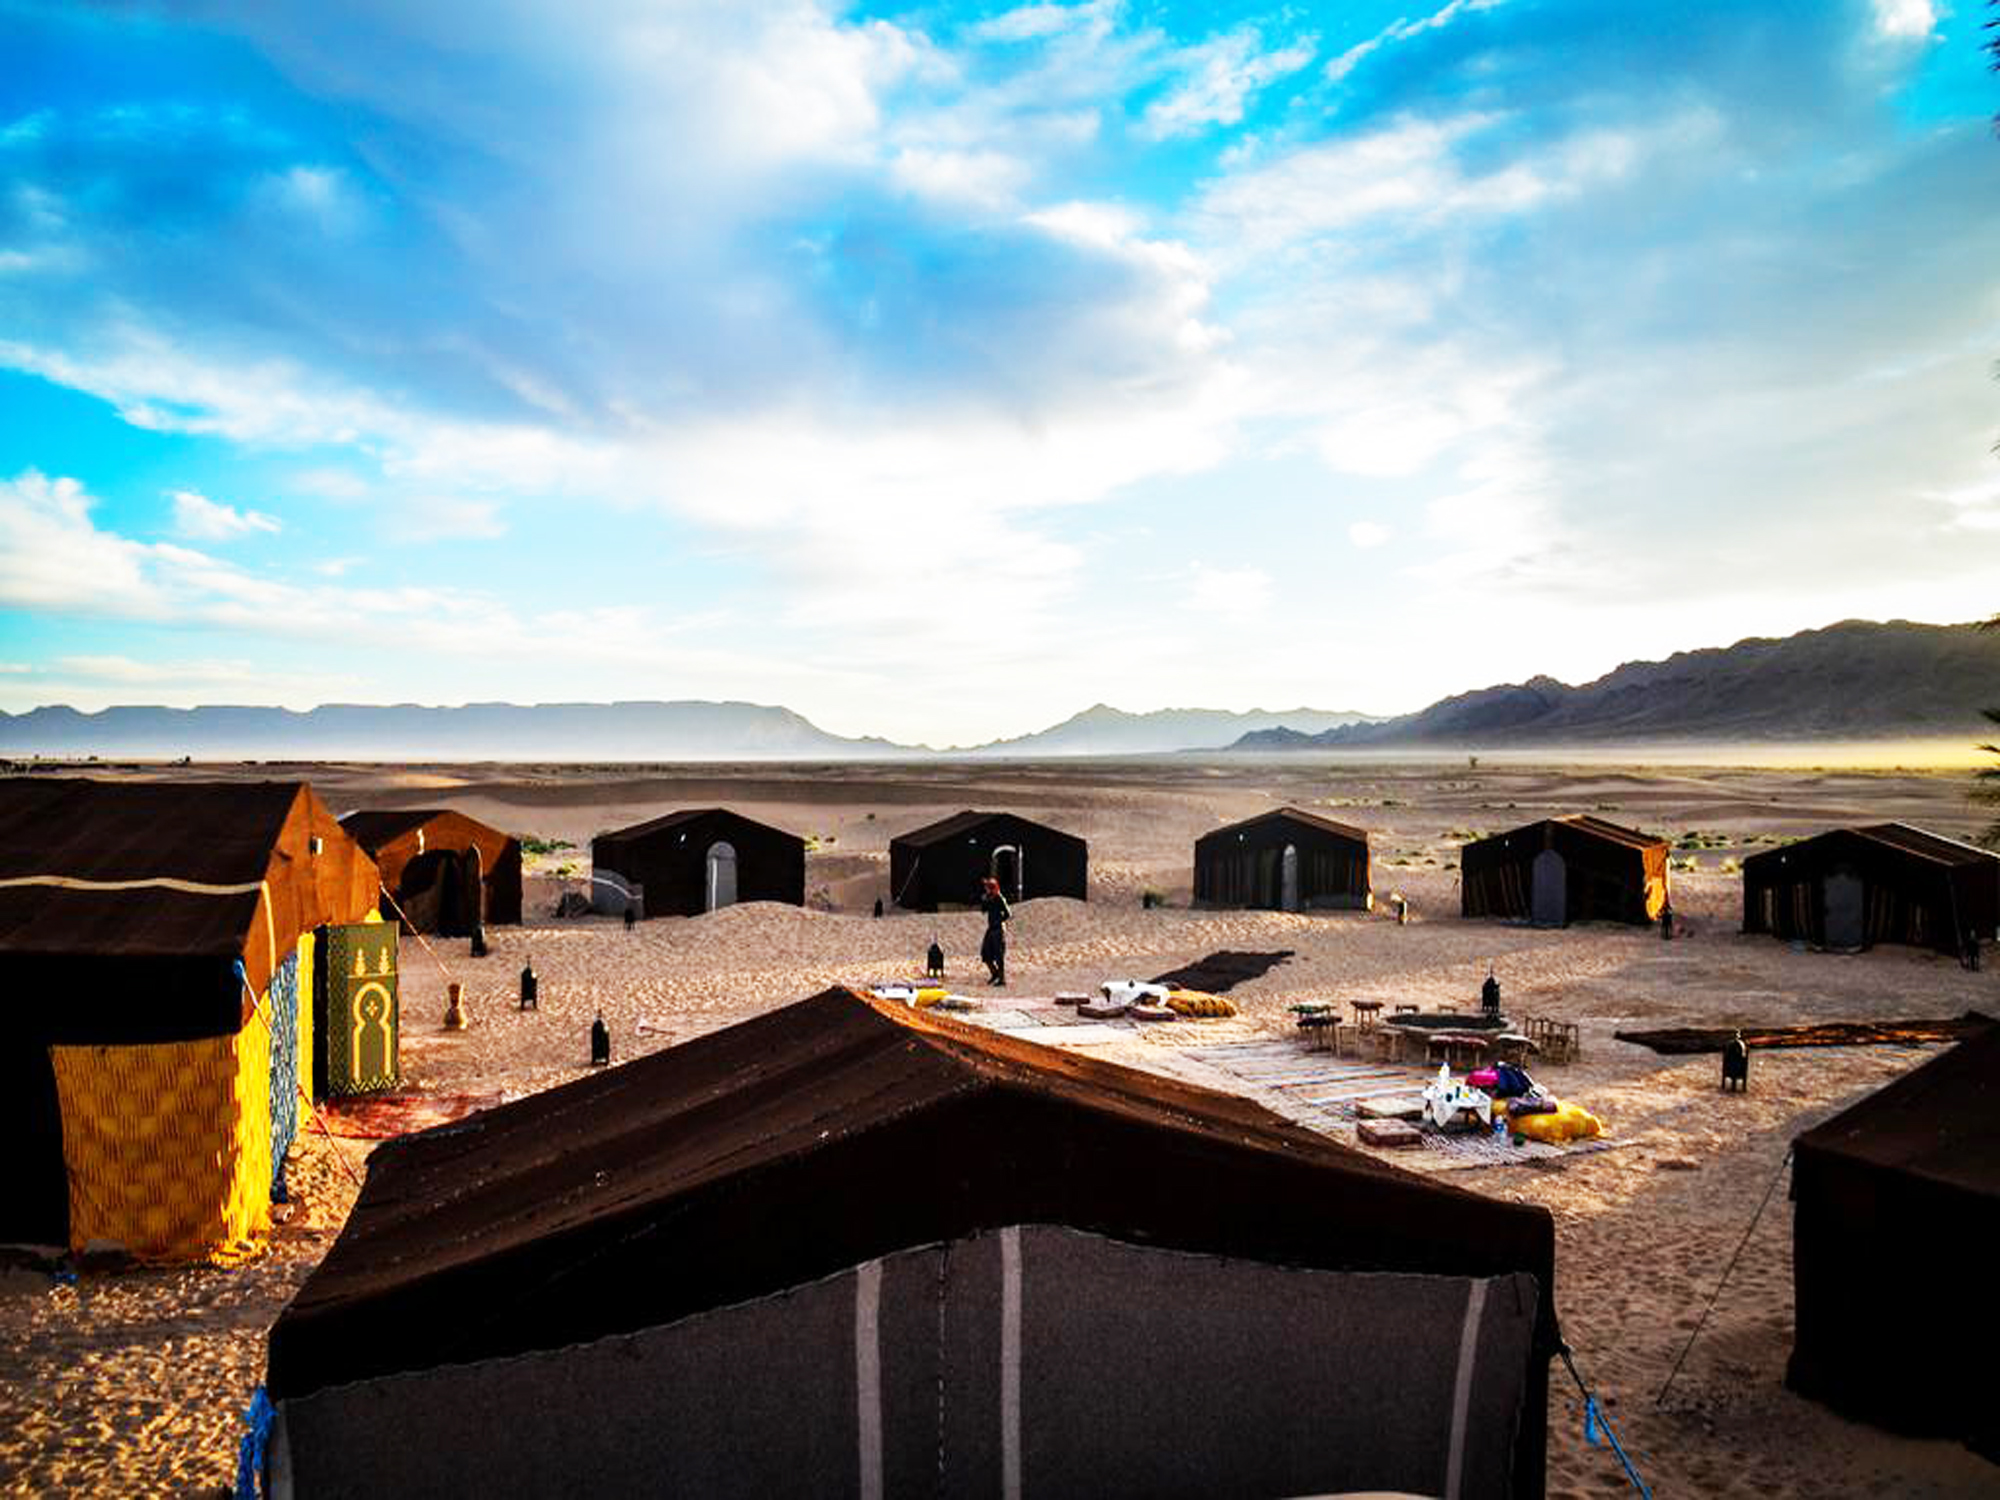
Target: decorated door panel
column 356, row 1015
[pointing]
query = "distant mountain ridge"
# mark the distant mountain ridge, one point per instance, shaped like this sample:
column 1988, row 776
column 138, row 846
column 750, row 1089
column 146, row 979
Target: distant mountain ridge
column 643, row 731
column 1104, row 730
column 1858, row 680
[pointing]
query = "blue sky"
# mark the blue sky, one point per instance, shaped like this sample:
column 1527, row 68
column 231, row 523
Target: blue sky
column 940, row 370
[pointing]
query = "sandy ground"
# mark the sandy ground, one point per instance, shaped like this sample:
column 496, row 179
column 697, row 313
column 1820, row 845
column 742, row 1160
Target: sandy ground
column 133, row 1381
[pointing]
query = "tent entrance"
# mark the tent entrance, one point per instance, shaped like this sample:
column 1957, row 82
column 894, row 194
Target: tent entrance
column 1006, row 866
column 1549, row 905
column 721, row 875
column 1288, row 879
column 1846, row 910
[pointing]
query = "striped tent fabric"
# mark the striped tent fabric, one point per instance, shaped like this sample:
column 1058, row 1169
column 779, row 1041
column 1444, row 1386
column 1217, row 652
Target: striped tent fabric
column 283, row 1009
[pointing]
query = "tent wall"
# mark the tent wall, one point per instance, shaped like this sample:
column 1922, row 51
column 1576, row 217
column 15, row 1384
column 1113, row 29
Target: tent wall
column 1906, row 898
column 943, row 863
column 909, row 1374
column 1242, row 865
column 1618, row 877
column 1867, row 1343
column 167, row 1146
column 668, row 859
column 1896, row 1209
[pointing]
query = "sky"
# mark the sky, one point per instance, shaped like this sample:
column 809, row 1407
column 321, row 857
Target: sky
column 937, row 371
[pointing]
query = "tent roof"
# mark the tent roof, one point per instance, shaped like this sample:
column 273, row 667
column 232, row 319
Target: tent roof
column 964, row 822
column 688, row 815
column 135, row 868
column 1940, row 1121
column 1917, row 843
column 1291, row 814
column 1927, row 845
column 1598, row 828
column 629, row 1161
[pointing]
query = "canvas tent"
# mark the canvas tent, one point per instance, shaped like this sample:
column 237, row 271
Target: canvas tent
column 948, row 1256
column 1851, row 888
column 1896, row 1212
column 944, row 862
column 1562, row 870
column 1283, row 860
column 445, row 870
column 695, row 861
column 143, row 1094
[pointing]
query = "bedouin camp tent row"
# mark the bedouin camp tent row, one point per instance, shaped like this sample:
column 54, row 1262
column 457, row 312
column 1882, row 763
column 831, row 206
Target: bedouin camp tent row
column 1848, row 888
column 850, row 1248
column 179, row 955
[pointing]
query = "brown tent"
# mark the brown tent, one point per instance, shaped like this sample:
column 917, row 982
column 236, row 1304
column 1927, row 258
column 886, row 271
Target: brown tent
column 427, row 857
column 1283, row 860
column 695, row 861
column 850, row 1248
column 127, row 910
column 1851, row 888
column 944, row 862
column 1897, row 1210
column 1563, row 870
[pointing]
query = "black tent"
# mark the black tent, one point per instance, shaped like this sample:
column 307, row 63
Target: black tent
column 445, row 870
column 125, row 911
column 1896, row 1212
column 691, row 862
column 942, row 863
column 851, row 1248
column 1283, row 860
column 1851, row 888
column 1562, row 870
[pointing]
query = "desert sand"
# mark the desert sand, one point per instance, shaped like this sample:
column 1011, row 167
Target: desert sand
column 133, row 1381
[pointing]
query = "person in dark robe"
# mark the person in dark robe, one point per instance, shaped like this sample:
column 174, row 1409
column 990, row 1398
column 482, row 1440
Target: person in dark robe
column 993, row 947
column 1489, row 994
column 934, row 961
column 631, row 917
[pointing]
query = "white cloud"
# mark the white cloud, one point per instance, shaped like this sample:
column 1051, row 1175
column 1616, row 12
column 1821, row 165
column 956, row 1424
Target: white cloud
column 1905, row 20
column 986, row 178
column 1366, row 534
column 1029, row 22
column 206, row 520
column 1402, row 30
column 1239, row 592
column 1219, row 77
column 52, row 557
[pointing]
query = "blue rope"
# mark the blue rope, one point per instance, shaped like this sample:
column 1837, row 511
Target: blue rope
column 1595, row 1421
column 250, row 1452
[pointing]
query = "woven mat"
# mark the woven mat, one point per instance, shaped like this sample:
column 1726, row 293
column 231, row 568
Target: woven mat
column 379, row 1117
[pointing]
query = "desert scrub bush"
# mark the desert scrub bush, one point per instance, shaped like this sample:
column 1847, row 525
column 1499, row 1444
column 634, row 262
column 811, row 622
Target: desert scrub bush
column 1694, row 838
column 1731, row 867
column 531, row 844
column 1461, row 835
column 1687, row 864
column 1150, row 898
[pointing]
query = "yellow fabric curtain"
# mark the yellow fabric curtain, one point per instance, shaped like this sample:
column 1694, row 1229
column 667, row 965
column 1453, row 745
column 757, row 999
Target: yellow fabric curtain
column 168, row 1145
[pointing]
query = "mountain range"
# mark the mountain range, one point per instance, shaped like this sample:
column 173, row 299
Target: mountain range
column 1104, row 730
column 1858, row 680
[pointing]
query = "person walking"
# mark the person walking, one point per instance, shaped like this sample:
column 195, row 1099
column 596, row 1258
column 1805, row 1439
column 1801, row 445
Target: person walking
column 993, row 947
